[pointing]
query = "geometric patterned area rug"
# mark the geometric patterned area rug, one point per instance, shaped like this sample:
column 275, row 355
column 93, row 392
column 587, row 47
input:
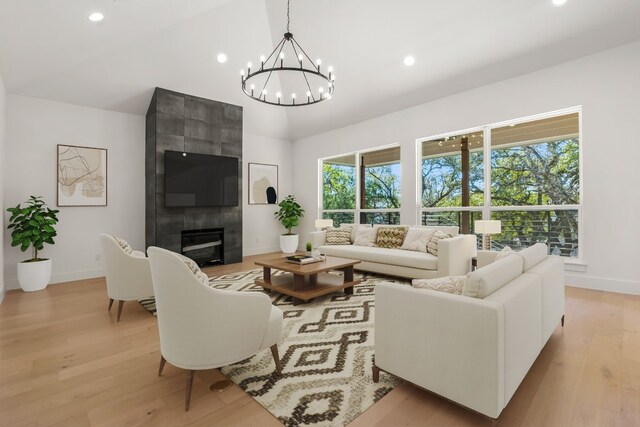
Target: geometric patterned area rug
column 326, row 353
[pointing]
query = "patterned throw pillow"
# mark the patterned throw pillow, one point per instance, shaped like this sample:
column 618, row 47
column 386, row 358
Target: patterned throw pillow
column 195, row 269
column 366, row 236
column 124, row 245
column 432, row 246
column 505, row 252
column 390, row 237
column 339, row 236
column 417, row 239
column 449, row 284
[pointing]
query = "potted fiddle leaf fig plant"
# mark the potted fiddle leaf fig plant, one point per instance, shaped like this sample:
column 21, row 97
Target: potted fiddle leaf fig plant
column 289, row 216
column 32, row 226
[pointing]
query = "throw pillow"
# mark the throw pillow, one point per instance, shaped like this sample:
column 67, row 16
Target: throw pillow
column 390, row 237
column 124, row 245
column 449, row 284
column 417, row 239
column 505, row 252
column 432, row 246
column 195, row 269
column 339, row 236
column 366, row 236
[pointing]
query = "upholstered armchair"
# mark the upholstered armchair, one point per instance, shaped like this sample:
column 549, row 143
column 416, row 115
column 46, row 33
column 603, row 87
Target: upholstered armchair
column 205, row 328
column 127, row 271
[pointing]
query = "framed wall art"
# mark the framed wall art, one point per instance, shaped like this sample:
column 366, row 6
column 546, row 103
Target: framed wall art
column 263, row 184
column 82, row 176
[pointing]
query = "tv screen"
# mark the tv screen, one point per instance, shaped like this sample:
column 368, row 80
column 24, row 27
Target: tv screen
column 200, row 180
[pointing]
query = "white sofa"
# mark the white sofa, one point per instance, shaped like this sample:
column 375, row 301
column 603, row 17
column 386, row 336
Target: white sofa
column 454, row 256
column 474, row 351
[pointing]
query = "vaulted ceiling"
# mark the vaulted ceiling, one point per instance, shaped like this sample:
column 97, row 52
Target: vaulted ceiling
column 49, row 49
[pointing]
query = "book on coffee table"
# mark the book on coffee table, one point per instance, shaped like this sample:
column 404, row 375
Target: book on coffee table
column 302, row 259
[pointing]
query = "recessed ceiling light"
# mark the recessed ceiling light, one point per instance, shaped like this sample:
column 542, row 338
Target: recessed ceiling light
column 222, row 58
column 96, row 17
column 409, row 61
column 558, row 2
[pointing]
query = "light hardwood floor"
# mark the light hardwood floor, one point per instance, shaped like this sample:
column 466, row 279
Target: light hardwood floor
column 64, row 361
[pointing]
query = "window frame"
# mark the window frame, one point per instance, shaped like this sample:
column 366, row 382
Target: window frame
column 488, row 208
column 358, row 209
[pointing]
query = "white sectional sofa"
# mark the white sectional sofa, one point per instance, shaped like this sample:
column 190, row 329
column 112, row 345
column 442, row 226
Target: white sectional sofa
column 472, row 350
column 454, row 256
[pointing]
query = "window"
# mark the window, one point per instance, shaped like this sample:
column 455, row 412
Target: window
column 363, row 186
column 525, row 174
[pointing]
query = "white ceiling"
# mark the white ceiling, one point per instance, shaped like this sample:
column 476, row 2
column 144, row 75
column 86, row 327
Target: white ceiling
column 48, row 49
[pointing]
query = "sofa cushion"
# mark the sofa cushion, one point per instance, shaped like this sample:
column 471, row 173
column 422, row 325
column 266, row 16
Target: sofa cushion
column 417, row 239
column 338, row 236
column 488, row 279
column 449, row 284
column 365, row 236
column 533, row 255
column 390, row 237
column 354, row 229
column 432, row 246
column 505, row 252
column 397, row 257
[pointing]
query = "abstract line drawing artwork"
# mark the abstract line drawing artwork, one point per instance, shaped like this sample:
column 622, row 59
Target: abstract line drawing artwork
column 263, row 184
column 82, row 176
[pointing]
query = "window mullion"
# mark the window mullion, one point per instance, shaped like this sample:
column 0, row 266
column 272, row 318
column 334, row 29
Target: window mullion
column 486, row 211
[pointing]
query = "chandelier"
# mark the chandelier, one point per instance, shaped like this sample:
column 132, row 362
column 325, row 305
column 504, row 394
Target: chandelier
column 294, row 68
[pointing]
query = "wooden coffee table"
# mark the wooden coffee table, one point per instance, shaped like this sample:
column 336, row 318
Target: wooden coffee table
column 305, row 282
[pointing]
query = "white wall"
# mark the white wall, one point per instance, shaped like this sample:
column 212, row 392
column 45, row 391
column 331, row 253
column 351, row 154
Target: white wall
column 2, row 173
column 607, row 85
column 34, row 128
column 260, row 229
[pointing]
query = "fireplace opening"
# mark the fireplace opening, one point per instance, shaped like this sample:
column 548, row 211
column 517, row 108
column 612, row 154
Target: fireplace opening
column 204, row 246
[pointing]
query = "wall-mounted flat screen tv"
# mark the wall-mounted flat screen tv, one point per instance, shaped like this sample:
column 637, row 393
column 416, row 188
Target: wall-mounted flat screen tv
column 193, row 180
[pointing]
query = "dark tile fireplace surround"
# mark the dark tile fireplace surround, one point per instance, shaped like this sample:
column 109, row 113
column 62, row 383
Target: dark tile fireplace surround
column 180, row 122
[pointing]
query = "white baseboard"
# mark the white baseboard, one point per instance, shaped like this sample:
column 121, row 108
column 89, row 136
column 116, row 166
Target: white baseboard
column 61, row 278
column 603, row 284
column 260, row 250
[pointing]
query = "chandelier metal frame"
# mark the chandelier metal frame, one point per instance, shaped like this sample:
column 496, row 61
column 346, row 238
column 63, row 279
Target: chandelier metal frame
column 278, row 65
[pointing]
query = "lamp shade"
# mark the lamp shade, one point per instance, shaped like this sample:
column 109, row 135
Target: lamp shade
column 324, row 223
column 488, row 226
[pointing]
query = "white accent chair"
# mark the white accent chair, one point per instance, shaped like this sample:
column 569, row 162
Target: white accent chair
column 205, row 328
column 128, row 274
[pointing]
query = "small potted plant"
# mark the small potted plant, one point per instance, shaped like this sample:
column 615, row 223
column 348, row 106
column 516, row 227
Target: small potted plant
column 32, row 226
column 289, row 215
column 309, row 248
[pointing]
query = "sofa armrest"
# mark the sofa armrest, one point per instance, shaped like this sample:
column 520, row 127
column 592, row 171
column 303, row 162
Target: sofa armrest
column 486, row 257
column 318, row 238
column 449, row 344
column 455, row 253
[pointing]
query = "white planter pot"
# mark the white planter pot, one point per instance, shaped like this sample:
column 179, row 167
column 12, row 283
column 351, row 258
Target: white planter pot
column 34, row 276
column 288, row 243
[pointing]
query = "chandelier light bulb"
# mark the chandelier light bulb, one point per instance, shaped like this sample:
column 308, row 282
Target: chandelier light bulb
column 262, row 58
column 253, row 87
column 281, row 55
column 409, row 61
column 321, row 89
column 242, row 73
column 264, row 91
column 278, row 95
column 333, row 77
column 248, row 64
column 300, row 57
column 222, row 58
column 96, row 17
column 293, row 96
column 308, row 93
column 330, row 69
column 318, row 61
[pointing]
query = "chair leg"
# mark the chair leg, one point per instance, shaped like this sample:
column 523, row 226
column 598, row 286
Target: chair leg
column 162, row 362
column 376, row 374
column 562, row 321
column 276, row 358
column 110, row 304
column 120, row 304
column 187, row 401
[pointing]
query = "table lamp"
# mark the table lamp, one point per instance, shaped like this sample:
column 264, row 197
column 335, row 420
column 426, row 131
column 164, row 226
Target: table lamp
column 487, row 228
column 322, row 224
